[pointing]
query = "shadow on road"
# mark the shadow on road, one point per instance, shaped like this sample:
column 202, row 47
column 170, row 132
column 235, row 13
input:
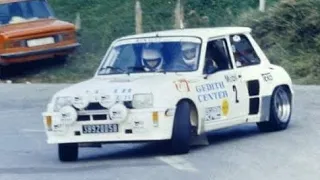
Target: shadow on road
column 145, row 150
column 21, row 70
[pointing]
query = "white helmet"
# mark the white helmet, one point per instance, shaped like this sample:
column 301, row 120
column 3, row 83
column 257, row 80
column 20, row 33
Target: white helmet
column 189, row 52
column 152, row 59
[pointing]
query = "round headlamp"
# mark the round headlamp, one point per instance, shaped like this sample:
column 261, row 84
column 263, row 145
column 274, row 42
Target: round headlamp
column 68, row 115
column 80, row 102
column 61, row 102
column 118, row 112
column 107, row 100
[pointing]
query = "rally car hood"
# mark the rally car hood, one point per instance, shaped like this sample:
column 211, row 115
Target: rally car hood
column 28, row 28
column 122, row 84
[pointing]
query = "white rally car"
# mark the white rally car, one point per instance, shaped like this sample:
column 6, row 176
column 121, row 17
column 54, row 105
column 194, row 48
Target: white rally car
column 171, row 85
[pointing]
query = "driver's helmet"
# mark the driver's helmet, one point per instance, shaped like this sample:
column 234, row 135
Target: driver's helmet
column 189, row 53
column 152, row 59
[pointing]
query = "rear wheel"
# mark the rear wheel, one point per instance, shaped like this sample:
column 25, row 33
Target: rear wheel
column 68, row 152
column 280, row 111
column 181, row 134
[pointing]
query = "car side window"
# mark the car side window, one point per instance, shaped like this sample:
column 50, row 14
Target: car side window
column 217, row 57
column 243, row 51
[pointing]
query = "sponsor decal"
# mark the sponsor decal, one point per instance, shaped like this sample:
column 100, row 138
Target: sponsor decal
column 231, row 78
column 123, row 94
column 182, row 85
column 225, row 107
column 211, row 91
column 213, row 113
column 236, row 38
column 267, row 77
column 119, row 94
column 123, row 91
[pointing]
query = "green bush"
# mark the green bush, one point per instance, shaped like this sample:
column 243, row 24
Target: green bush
column 290, row 35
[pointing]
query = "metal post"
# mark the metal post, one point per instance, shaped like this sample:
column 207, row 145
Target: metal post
column 179, row 15
column 262, row 5
column 138, row 17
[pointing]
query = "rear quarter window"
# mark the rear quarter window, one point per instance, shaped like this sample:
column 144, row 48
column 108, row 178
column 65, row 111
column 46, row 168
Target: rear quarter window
column 243, row 51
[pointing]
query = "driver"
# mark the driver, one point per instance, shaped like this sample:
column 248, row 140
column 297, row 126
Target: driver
column 152, row 59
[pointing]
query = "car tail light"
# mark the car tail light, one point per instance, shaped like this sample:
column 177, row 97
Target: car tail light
column 66, row 36
column 15, row 44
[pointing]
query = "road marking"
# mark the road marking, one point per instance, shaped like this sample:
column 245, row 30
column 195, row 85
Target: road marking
column 32, row 130
column 178, row 163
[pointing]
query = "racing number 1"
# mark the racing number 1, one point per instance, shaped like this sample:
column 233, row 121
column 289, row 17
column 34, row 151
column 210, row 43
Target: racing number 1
column 236, row 91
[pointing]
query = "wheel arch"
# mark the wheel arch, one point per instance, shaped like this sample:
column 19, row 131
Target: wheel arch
column 286, row 87
column 270, row 124
column 266, row 99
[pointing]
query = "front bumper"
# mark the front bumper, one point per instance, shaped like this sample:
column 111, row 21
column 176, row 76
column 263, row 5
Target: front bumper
column 139, row 125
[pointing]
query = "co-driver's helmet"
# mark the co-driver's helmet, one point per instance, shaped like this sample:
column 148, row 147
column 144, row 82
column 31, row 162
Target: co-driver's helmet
column 189, row 53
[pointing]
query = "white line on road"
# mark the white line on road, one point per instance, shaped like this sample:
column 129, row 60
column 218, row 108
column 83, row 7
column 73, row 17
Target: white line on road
column 178, row 163
column 32, row 131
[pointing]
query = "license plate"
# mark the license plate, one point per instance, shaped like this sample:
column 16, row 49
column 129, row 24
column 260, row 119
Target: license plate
column 100, row 128
column 39, row 42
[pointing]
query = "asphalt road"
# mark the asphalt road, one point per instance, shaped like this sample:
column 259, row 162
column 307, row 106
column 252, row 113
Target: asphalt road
column 238, row 153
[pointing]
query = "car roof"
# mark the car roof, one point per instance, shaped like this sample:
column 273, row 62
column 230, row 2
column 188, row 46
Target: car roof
column 204, row 33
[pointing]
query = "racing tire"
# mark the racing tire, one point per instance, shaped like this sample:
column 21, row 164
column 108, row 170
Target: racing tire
column 68, row 152
column 181, row 133
column 280, row 111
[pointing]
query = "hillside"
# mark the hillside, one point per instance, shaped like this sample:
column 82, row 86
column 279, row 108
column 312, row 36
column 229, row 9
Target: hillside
column 288, row 32
column 290, row 35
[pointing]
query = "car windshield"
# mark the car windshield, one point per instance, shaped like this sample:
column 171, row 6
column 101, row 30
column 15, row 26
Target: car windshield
column 159, row 54
column 21, row 11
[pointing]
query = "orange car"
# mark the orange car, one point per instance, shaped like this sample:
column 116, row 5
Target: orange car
column 29, row 31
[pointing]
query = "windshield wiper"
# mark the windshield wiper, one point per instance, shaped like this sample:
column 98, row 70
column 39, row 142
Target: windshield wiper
column 135, row 68
column 161, row 71
column 112, row 68
column 142, row 68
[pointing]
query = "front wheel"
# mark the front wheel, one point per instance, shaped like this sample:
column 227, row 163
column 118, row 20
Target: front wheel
column 68, row 152
column 280, row 111
column 181, row 134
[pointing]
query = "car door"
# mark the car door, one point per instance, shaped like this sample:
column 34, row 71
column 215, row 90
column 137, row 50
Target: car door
column 249, row 63
column 222, row 94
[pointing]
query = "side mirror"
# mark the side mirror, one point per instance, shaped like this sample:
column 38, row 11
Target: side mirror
column 205, row 76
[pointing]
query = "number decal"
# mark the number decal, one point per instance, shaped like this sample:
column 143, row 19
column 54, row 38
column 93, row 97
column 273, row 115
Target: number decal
column 100, row 128
column 267, row 77
column 236, row 91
